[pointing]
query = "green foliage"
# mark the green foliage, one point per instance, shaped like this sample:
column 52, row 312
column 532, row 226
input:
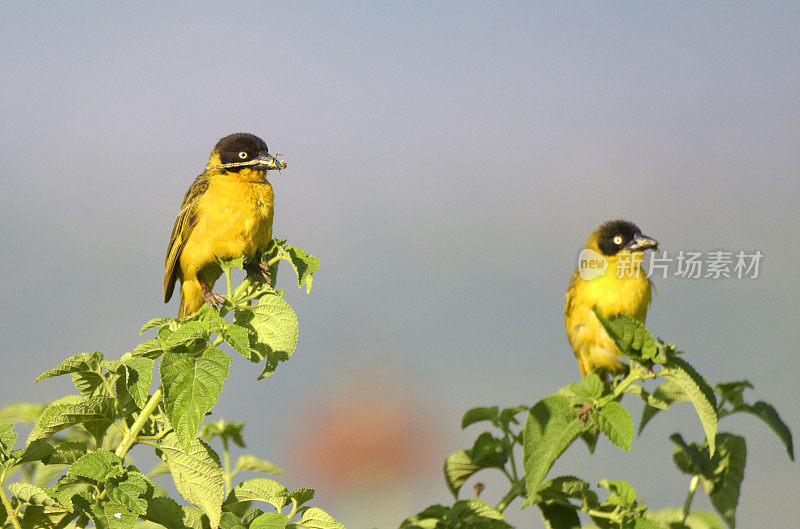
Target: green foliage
column 73, row 464
column 591, row 409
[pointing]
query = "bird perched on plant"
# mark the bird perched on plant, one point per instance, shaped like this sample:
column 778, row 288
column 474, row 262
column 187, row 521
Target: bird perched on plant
column 226, row 214
column 609, row 276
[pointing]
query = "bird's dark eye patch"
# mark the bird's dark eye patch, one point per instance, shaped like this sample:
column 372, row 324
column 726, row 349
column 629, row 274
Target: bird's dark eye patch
column 615, row 234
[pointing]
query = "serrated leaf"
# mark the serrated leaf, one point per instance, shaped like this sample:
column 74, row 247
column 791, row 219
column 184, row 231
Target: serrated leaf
column 557, row 516
column 315, row 518
column 631, row 337
column 96, row 466
column 186, row 332
column 769, row 415
column 479, row 414
column 138, row 377
column 157, row 322
column 165, row 511
column 37, row 450
column 90, row 384
column 688, row 457
column 732, row 391
column 644, row 523
column 192, row 386
column 254, row 464
column 128, row 492
column 250, row 515
column 588, row 389
column 226, row 430
column 274, row 323
column 108, row 514
column 270, row 520
column 238, row 337
column 474, row 513
column 699, row 393
column 429, row 518
column 667, row 393
column 150, row 349
column 508, row 416
column 301, row 495
column 8, row 438
column 74, row 364
column 95, row 414
column 552, row 426
column 197, row 474
column 563, row 488
column 66, row 452
column 259, row 489
column 724, row 486
column 616, row 423
column 620, row 492
column 20, row 412
column 458, row 468
column 32, row 495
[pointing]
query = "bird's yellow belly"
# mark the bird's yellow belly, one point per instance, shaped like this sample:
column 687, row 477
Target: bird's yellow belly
column 234, row 220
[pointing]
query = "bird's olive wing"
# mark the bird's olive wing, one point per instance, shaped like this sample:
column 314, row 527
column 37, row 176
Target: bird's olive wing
column 187, row 218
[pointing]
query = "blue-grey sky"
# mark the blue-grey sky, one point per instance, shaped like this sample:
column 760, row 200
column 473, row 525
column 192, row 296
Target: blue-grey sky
column 446, row 162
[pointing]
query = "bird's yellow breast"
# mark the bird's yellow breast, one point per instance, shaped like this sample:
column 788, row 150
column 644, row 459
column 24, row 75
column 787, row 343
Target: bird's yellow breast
column 612, row 295
column 234, row 219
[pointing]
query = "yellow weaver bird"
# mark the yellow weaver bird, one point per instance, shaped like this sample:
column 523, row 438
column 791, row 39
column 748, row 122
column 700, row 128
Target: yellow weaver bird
column 226, row 214
column 609, row 276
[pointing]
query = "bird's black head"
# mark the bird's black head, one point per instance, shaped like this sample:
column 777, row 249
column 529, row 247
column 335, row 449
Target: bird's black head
column 240, row 147
column 616, row 235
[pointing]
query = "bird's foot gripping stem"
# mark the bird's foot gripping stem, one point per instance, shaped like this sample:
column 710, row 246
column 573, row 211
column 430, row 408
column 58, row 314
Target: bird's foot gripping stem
column 257, row 271
column 211, row 298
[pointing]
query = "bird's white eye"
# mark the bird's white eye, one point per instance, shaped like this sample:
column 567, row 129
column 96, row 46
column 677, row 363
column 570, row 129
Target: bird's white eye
column 618, row 239
column 243, row 155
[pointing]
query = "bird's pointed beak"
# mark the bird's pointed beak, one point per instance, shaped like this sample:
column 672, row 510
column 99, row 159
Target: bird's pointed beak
column 641, row 243
column 269, row 162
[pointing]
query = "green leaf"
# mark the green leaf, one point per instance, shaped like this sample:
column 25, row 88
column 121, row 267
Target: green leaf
column 250, row 515
column 427, row 519
column 565, row 487
column 315, row 518
column 128, row 492
column 165, row 511
column 95, row 414
column 259, row 489
column 150, row 349
column 226, row 430
column 688, row 457
column 90, row 384
column 508, row 416
column 479, row 414
column 20, row 412
column 74, row 364
column 8, row 438
column 631, row 337
column 588, row 389
column 192, row 386
column 724, row 486
column 667, row 393
column 270, row 520
column 157, row 322
column 229, row 520
column 557, row 516
column 769, row 415
column 301, row 495
column 138, row 377
column 699, row 393
column 732, row 391
column 197, row 473
column 32, row 495
column 458, row 468
column 254, row 464
column 273, row 330
column 474, row 513
column 304, row 264
column 96, row 466
column 108, row 514
column 616, row 423
column 66, row 452
column 620, row 492
column 552, row 425
column 38, row 450
column 187, row 331
column 238, row 337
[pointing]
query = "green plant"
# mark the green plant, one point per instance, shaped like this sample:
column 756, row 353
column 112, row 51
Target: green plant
column 73, row 469
column 586, row 409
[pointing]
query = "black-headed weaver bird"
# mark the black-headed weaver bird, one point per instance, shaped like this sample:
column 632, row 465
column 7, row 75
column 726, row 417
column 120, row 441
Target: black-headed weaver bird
column 226, row 214
column 610, row 277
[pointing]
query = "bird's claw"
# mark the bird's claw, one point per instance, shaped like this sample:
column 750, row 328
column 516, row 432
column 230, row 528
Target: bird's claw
column 213, row 299
column 257, row 271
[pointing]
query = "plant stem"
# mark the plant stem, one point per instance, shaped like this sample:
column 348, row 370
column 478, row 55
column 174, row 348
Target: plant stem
column 130, row 437
column 226, row 460
column 689, row 497
column 508, row 498
column 511, row 459
column 9, row 511
column 228, row 281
